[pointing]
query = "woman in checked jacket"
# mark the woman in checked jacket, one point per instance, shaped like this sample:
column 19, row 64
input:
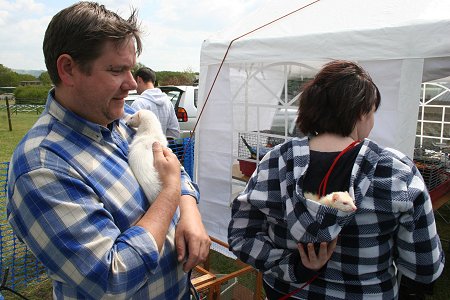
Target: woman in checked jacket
column 360, row 253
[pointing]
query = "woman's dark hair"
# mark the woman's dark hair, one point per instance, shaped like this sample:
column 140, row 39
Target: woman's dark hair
column 82, row 30
column 338, row 96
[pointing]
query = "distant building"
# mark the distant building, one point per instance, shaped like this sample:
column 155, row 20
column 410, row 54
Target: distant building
column 30, row 82
column 7, row 89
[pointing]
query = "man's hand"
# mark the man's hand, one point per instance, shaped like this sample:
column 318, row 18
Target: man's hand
column 191, row 238
column 313, row 261
column 167, row 165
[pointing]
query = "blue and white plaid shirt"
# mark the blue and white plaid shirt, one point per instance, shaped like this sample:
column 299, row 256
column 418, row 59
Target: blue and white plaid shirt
column 393, row 226
column 74, row 201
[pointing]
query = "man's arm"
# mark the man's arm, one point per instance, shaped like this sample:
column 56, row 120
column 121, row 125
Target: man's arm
column 69, row 229
column 158, row 217
column 191, row 239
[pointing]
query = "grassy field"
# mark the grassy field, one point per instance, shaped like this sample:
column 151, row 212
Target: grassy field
column 20, row 123
column 23, row 121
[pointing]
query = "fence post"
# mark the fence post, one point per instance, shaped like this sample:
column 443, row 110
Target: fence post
column 9, row 114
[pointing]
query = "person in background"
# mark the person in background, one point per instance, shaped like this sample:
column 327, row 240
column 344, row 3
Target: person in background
column 393, row 230
column 154, row 99
column 72, row 197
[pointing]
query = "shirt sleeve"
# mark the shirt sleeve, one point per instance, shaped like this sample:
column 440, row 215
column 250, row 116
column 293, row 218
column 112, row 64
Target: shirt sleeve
column 188, row 187
column 419, row 254
column 138, row 104
column 69, row 229
column 248, row 233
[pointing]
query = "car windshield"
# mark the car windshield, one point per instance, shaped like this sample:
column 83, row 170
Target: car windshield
column 173, row 96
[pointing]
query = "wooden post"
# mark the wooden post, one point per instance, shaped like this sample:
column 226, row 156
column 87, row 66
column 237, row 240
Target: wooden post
column 258, row 287
column 8, row 113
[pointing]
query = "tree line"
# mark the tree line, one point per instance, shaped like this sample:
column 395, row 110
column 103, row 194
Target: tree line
column 10, row 78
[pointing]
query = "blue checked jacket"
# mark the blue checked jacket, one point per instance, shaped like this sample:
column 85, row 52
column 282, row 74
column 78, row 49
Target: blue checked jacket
column 392, row 229
column 74, row 201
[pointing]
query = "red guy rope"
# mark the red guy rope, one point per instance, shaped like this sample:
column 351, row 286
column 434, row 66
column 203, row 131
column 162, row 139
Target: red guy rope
column 223, row 60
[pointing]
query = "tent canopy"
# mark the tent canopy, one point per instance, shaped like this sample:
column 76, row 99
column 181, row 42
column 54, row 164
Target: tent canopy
column 400, row 43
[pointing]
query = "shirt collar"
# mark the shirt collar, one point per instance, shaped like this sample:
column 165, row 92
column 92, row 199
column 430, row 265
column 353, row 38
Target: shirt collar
column 77, row 123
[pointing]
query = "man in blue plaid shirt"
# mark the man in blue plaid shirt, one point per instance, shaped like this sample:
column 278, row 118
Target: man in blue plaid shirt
column 72, row 196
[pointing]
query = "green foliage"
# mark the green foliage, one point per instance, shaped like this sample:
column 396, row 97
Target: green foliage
column 8, row 77
column 175, row 78
column 45, row 78
column 136, row 67
column 33, row 94
column 26, row 77
column 186, row 77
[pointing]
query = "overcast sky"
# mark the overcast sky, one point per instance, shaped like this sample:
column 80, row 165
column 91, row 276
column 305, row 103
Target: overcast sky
column 174, row 29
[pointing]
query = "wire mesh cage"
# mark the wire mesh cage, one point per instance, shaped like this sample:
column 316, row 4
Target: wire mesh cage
column 257, row 144
column 233, row 288
column 226, row 278
column 252, row 146
column 434, row 167
column 184, row 150
column 18, row 266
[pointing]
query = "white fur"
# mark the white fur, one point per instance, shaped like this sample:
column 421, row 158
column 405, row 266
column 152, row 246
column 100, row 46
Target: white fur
column 339, row 200
column 140, row 154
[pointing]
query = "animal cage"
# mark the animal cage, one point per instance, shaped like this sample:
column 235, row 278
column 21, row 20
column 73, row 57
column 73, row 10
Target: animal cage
column 434, row 167
column 252, row 146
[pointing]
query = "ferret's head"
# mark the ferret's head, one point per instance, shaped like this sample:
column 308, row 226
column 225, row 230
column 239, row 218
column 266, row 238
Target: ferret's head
column 146, row 122
column 133, row 120
column 343, row 201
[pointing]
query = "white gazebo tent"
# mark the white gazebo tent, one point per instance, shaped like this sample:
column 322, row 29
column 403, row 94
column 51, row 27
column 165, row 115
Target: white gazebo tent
column 401, row 43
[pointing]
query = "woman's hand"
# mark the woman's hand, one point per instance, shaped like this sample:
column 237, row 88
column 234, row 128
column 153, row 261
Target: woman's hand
column 313, row 261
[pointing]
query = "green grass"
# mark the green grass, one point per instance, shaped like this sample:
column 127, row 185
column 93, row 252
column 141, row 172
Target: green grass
column 220, row 264
column 20, row 122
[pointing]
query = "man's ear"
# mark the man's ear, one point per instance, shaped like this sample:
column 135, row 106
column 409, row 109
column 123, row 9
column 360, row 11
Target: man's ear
column 66, row 67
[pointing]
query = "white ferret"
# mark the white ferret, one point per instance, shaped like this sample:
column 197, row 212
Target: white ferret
column 140, row 154
column 340, row 200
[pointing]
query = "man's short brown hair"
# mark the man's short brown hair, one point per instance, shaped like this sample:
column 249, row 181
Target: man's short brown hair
column 82, row 30
column 146, row 74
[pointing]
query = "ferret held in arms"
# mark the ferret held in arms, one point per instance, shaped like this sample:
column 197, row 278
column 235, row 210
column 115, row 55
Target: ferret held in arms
column 140, row 154
column 340, row 200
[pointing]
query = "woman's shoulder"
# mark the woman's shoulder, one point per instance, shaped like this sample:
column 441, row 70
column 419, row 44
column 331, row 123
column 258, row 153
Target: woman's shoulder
column 296, row 145
column 385, row 157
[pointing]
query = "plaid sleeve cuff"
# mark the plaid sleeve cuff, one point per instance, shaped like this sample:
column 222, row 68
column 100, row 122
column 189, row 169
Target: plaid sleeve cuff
column 188, row 187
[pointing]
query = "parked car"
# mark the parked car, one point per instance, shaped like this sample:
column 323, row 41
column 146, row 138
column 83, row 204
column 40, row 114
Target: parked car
column 279, row 122
column 184, row 99
column 132, row 95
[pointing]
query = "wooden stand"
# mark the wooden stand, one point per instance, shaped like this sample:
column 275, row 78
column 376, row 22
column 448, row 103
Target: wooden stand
column 207, row 282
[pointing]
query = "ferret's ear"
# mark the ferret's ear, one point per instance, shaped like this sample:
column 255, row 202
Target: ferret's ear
column 335, row 197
